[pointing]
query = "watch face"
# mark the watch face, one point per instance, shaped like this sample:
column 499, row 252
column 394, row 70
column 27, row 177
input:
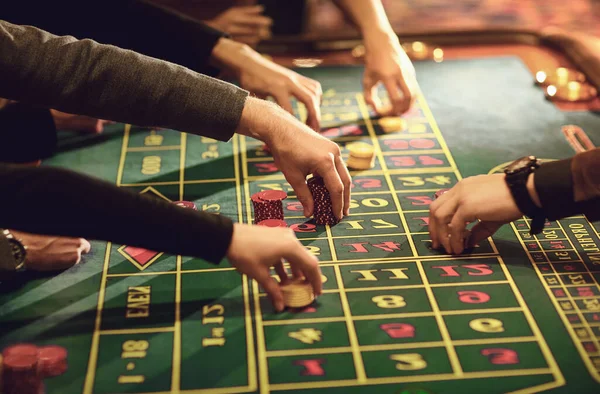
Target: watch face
column 17, row 250
column 520, row 164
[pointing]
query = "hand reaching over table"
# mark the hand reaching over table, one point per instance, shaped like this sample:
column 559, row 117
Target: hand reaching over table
column 298, row 152
column 269, row 247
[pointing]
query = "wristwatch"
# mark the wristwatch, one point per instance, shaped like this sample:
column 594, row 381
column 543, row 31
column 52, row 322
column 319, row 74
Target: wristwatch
column 517, row 174
column 12, row 252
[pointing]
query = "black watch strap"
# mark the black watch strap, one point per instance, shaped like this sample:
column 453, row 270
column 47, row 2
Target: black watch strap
column 528, row 207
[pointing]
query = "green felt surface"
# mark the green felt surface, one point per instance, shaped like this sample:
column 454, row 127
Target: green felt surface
column 517, row 314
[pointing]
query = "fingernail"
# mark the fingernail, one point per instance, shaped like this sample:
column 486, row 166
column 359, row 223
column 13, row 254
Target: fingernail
column 279, row 306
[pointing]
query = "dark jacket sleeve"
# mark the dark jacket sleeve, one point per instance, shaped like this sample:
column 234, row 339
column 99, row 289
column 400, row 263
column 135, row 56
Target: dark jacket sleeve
column 571, row 186
column 106, row 82
column 138, row 25
column 54, row 201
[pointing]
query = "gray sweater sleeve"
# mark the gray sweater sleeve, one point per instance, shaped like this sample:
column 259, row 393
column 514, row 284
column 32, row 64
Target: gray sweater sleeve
column 106, row 82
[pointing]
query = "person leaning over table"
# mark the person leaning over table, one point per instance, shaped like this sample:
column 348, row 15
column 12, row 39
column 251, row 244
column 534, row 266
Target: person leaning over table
column 82, row 76
column 172, row 37
column 552, row 190
column 162, row 33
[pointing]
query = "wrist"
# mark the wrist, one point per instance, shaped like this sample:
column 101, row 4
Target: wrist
column 230, row 55
column 256, row 121
column 379, row 35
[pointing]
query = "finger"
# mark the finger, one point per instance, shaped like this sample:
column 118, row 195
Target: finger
column 409, row 97
column 457, row 231
column 300, row 257
column 433, row 225
column 255, row 20
column 334, row 184
column 481, row 231
column 284, row 99
column 85, row 246
column 297, row 272
column 298, row 182
column 370, row 93
column 442, row 216
column 313, row 118
column 346, row 180
column 271, row 288
column 252, row 9
column 396, row 99
column 312, row 85
column 281, row 273
column 244, row 30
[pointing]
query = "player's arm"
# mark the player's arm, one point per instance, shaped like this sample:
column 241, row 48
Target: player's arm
column 106, row 82
column 385, row 60
column 55, row 201
column 561, row 188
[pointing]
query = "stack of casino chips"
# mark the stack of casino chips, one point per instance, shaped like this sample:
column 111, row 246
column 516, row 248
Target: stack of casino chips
column 25, row 366
column 268, row 204
column 323, row 209
column 392, row 124
column 297, row 293
column 362, row 156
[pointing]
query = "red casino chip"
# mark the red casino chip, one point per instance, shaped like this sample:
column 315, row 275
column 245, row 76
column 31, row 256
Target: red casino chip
column 186, row 204
column 20, row 375
column 272, row 195
column 20, row 349
column 439, row 193
column 52, row 361
column 272, row 223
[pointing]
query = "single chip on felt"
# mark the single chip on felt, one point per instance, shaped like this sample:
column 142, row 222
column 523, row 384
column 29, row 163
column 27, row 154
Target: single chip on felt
column 186, row 204
column 391, row 124
column 52, row 361
column 297, row 293
column 361, row 157
column 21, row 349
column 272, row 223
column 272, row 195
column 439, row 193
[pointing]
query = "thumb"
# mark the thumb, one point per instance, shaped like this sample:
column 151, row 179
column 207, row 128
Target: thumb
column 303, row 193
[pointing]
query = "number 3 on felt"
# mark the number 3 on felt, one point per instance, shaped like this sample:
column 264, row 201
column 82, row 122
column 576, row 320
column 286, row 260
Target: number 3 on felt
column 409, row 362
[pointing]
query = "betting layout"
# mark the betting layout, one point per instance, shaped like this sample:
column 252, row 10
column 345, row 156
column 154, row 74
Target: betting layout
column 393, row 310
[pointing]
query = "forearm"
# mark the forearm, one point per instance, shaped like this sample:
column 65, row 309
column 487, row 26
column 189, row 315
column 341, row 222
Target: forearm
column 54, row 201
column 368, row 15
column 106, row 82
column 571, row 186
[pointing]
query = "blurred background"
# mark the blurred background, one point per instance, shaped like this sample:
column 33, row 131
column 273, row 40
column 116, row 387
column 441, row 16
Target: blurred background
column 322, row 17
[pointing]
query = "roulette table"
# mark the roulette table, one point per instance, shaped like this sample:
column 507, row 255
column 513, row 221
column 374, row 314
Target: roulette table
column 517, row 313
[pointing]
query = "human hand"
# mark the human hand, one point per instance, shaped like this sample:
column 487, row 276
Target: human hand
column 387, row 63
column 65, row 121
column 265, row 78
column 298, row 152
column 245, row 24
column 255, row 249
column 486, row 198
column 50, row 253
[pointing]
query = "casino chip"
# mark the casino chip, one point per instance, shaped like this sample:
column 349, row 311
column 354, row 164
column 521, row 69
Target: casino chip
column 186, row 204
column 297, row 293
column 20, row 375
column 52, row 361
column 272, row 223
column 392, row 124
column 362, row 156
column 323, row 209
column 21, row 349
column 268, row 204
